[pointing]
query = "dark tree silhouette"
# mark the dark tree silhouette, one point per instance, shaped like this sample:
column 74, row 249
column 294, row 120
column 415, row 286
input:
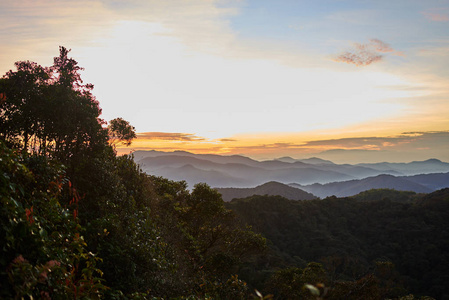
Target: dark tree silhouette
column 49, row 110
column 120, row 131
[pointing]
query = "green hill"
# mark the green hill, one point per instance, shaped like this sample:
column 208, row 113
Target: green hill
column 349, row 235
column 270, row 188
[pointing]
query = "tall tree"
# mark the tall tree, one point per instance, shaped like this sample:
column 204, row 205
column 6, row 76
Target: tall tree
column 49, row 110
column 23, row 99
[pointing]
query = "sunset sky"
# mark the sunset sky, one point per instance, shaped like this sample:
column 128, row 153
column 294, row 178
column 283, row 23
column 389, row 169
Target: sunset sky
column 260, row 78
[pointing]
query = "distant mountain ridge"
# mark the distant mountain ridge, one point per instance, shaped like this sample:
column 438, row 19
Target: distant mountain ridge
column 243, row 172
column 138, row 155
column 216, row 171
column 271, row 188
column 424, row 183
column 412, row 168
column 433, row 181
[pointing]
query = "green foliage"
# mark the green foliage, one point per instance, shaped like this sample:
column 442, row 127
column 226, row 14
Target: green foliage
column 390, row 194
column 350, row 236
column 43, row 252
column 291, row 283
column 204, row 238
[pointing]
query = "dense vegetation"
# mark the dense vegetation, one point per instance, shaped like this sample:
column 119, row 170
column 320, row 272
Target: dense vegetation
column 79, row 222
column 352, row 237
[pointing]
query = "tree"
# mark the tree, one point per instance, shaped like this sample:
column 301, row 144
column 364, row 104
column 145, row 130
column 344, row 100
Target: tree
column 120, row 131
column 67, row 70
column 49, row 110
column 23, row 100
column 290, row 283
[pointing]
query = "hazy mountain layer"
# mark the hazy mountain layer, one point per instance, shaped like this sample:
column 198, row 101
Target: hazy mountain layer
column 412, row 168
column 243, row 172
column 195, row 169
column 424, row 183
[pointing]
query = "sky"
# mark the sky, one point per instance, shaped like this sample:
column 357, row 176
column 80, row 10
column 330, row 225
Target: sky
column 351, row 81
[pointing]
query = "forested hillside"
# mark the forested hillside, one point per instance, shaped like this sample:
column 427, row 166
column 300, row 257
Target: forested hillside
column 353, row 187
column 79, row 222
column 270, row 188
column 351, row 236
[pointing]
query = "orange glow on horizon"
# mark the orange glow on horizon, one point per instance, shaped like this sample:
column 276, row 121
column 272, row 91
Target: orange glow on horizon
column 274, row 145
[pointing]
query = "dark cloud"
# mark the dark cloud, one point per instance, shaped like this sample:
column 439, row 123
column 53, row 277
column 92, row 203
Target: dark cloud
column 365, row 54
column 169, row 136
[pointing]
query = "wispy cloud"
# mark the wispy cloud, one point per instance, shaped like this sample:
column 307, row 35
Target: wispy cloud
column 380, row 46
column 366, row 54
column 406, row 146
column 442, row 51
column 170, row 136
column 437, row 14
column 410, row 146
column 418, row 139
column 227, row 140
column 359, row 142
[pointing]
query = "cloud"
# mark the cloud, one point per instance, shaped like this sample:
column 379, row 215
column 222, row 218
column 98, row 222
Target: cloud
column 381, row 142
column 170, row 136
column 366, row 54
column 406, row 146
column 380, row 46
column 34, row 29
column 227, row 140
column 360, row 58
column 359, row 142
column 434, row 52
column 264, row 150
column 437, row 15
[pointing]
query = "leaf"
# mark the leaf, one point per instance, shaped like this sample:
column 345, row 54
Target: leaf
column 21, row 190
column 312, row 289
column 42, row 232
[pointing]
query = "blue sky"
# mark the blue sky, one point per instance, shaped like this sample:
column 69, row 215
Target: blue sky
column 260, row 78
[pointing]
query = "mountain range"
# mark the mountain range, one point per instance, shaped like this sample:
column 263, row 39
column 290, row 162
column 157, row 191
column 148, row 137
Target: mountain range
column 424, row 183
column 314, row 175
